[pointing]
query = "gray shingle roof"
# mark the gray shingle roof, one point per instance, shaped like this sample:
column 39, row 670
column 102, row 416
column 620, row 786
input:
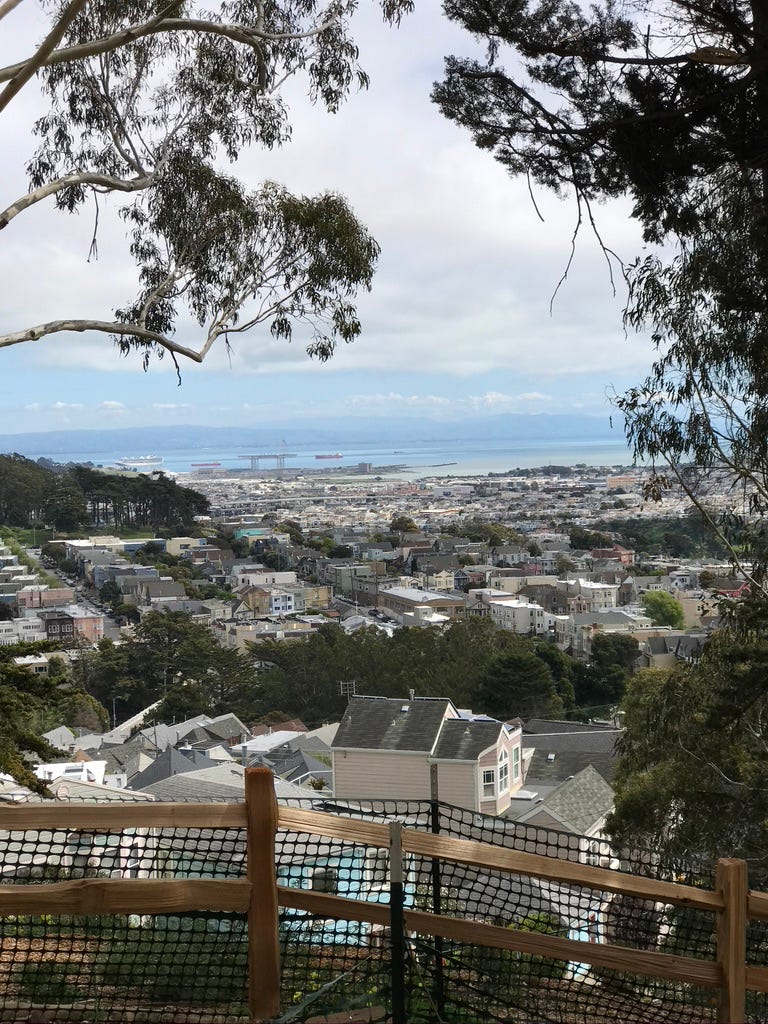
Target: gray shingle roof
column 380, row 723
column 465, row 741
column 167, row 764
column 573, row 752
column 581, row 801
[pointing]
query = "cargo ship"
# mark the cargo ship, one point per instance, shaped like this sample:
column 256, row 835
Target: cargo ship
column 141, row 462
column 334, row 455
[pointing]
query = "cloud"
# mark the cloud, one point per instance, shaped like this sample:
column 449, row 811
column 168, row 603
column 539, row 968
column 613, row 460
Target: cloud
column 165, row 406
column 60, row 406
column 447, row 406
column 114, row 406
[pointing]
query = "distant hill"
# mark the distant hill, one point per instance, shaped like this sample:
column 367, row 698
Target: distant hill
column 331, row 433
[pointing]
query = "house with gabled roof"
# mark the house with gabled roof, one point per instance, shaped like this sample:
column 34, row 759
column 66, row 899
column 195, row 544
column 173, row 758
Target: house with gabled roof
column 580, row 805
column 389, row 748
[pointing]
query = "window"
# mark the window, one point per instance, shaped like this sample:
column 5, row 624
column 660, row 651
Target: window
column 489, row 782
column 503, row 771
column 516, row 763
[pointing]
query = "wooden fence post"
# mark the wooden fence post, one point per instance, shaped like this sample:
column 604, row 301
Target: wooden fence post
column 732, row 939
column 397, row 921
column 263, row 942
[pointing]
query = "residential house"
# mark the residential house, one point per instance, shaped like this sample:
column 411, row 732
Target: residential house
column 579, row 805
column 156, row 592
column 387, row 748
column 399, row 601
column 180, row 545
column 59, row 626
column 29, row 629
column 40, row 595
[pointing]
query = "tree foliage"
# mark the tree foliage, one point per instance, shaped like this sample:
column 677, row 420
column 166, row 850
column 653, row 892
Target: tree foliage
column 693, row 773
column 642, row 99
column 146, row 102
column 667, row 103
column 76, row 496
column 518, row 684
column 31, row 705
column 663, row 609
column 171, row 659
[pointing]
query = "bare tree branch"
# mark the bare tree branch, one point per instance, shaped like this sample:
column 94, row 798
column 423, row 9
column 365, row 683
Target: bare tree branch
column 104, row 181
column 23, row 74
column 103, row 327
column 238, row 33
column 7, row 7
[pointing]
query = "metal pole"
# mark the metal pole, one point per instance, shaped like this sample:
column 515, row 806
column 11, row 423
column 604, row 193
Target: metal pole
column 396, row 921
column 437, row 892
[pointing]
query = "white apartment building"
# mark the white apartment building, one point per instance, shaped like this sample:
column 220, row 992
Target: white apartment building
column 30, row 629
column 258, row 576
column 522, row 617
column 586, row 596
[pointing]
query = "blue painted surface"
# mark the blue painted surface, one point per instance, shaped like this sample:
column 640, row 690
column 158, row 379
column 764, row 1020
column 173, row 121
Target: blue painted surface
column 351, row 881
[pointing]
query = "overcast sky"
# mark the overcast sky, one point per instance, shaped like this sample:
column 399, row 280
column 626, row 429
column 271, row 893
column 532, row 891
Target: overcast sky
column 458, row 320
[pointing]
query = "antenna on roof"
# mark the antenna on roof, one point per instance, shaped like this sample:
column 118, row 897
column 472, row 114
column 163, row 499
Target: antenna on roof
column 348, row 688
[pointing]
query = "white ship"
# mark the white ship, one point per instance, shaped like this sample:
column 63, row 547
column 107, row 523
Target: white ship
column 140, row 462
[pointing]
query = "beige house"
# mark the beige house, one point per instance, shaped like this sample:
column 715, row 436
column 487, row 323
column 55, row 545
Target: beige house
column 401, row 600
column 387, row 748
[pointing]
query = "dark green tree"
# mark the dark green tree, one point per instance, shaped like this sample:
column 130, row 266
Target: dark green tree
column 403, row 524
column 614, row 649
column 518, row 684
column 692, row 776
column 29, row 706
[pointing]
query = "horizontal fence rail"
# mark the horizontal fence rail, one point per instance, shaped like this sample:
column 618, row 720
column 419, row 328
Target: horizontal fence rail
column 259, row 896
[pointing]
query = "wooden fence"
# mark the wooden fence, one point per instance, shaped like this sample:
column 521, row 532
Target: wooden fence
column 258, row 895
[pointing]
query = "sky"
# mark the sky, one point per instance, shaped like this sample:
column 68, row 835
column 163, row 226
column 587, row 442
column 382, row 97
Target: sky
column 457, row 324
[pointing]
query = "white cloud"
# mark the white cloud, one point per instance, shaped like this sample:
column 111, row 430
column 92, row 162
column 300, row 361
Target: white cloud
column 113, row 406
column 171, row 405
column 60, row 406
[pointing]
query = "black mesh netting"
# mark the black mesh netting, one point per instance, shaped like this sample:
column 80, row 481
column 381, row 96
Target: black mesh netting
column 127, row 967
column 193, row 967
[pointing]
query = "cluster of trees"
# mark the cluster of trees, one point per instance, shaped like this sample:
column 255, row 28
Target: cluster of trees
column 693, row 771
column 686, row 536
column 172, row 659
column 31, row 705
column 79, row 496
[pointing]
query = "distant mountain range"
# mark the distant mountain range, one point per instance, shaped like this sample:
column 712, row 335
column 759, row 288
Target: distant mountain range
column 318, row 433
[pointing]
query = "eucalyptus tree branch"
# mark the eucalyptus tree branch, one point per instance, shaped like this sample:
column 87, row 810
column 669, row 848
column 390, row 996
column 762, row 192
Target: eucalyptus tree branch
column 7, row 7
column 711, row 523
column 738, row 470
column 22, row 74
column 238, row 33
column 103, row 327
column 113, row 117
column 104, row 181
